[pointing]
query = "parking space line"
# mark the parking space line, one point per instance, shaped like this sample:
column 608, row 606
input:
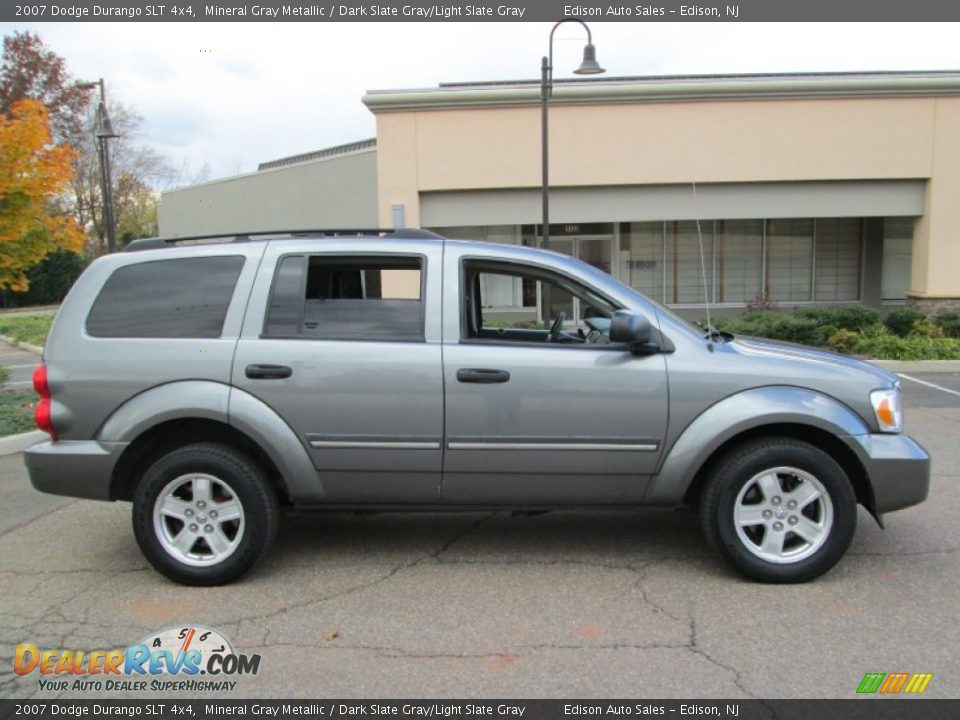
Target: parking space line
column 25, row 382
column 17, row 367
column 929, row 384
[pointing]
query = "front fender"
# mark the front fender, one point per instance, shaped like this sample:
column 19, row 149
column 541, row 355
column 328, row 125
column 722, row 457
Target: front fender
column 219, row 402
column 742, row 412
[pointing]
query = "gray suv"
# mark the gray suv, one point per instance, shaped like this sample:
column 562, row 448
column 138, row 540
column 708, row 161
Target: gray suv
column 212, row 382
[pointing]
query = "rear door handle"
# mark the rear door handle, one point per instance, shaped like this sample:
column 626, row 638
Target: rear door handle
column 482, row 375
column 268, row 372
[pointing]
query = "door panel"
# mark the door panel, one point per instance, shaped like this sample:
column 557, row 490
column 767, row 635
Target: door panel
column 370, row 412
column 562, row 424
column 562, row 411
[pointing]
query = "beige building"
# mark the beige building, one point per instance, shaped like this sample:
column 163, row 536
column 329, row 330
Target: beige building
column 801, row 188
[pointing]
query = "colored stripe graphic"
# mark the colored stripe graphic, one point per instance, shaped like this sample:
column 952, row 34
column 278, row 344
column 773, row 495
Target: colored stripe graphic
column 918, row 683
column 870, row 683
column 894, row 682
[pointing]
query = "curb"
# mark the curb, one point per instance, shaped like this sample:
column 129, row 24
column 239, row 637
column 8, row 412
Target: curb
column 29, row 347
column 918, row 366
column 13, row 444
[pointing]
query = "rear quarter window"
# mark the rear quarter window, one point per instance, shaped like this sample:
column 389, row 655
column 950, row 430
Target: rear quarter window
column 182, row 298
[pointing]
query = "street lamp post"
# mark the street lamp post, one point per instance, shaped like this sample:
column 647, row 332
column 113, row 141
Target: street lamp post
column 589, row 66
column 104, row 132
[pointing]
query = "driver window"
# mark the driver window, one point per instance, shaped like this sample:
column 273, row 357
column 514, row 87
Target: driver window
column 505, row 302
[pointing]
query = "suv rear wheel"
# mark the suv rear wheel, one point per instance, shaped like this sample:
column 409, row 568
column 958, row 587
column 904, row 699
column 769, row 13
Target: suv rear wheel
column 204, row 514
column 780, row 510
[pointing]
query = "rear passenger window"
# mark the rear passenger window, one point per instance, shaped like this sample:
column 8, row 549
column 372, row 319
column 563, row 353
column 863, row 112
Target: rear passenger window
column 183, row 298
column 336, row 297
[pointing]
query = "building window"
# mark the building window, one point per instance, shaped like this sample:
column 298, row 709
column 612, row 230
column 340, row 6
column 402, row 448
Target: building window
column 897, row 258
column 739, row 260
column 684, row 271
column 838, row 258
column 789, row 259
column 643, row 257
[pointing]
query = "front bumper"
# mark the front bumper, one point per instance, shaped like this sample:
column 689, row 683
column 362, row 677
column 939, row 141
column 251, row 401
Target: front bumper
column 80, row 469
column 898, row 469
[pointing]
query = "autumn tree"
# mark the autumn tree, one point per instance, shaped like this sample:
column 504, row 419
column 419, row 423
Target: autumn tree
column 31, row 70
column 33, row 172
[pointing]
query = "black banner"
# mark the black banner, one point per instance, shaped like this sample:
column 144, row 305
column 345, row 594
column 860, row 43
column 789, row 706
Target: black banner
column 477, row 10
column 865, row 709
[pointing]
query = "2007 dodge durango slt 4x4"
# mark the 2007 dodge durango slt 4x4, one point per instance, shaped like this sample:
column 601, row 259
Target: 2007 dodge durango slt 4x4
column 210, row 383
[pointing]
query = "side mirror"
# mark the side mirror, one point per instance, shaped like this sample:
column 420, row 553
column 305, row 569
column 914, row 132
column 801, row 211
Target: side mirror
column 633, row 329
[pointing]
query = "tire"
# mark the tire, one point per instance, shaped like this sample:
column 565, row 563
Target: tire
column 204, row 514
column 779, row 510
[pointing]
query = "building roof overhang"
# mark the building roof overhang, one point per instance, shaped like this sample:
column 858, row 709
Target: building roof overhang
column 670, row 89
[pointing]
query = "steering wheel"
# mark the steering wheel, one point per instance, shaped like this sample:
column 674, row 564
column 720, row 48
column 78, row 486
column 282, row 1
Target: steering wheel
column 556, row 327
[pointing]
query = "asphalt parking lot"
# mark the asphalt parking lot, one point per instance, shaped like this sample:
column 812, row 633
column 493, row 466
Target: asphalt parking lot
column 498, row 605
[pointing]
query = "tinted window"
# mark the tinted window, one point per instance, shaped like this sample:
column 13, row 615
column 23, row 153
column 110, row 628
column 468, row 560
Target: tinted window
column 184, row 298
column 347, row 298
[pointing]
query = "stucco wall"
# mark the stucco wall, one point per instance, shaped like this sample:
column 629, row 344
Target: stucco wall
column 426, row 150
column 337, row 192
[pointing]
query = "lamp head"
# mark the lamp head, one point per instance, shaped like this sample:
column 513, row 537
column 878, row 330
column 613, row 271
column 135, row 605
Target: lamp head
column 589, row 66
column 104, row 127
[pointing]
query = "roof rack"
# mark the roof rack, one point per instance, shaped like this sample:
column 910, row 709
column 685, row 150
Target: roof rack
column 157, row 243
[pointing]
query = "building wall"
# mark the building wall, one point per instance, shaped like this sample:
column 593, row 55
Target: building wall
column 647, row 147
column 336, row 192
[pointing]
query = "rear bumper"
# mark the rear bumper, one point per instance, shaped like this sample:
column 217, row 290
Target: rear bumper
column 898, row 469
column 73, row 468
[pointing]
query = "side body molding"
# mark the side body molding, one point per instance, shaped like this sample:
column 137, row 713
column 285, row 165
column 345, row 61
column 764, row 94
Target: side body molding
column 220, row 402
column 741, row 412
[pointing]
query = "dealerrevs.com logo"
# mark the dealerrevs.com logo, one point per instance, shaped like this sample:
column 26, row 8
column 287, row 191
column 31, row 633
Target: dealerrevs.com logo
column 178, row 659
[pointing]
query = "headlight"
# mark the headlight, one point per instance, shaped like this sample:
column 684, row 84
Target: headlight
column 886, row 406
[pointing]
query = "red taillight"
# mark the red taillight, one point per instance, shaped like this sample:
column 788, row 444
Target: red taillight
column 40, row 381
column 41, row 414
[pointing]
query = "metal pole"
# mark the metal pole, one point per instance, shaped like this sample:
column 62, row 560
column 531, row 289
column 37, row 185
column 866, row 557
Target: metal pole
column 107, row 191
column 106, row 183
column 545, row 71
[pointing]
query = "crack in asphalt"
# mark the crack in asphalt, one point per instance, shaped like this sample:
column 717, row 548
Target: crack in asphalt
column 370, row 583
column 34, row 519
column 697, row 649
column 906, row 553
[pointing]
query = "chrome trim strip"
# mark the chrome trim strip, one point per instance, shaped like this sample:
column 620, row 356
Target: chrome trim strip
column 373, row 445
column 549, row 446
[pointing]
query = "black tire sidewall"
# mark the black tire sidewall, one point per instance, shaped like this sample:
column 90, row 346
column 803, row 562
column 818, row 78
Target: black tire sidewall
column 739, row 468
column 252, row 491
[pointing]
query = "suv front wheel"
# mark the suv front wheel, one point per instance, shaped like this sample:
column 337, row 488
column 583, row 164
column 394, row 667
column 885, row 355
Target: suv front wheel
column 204, row 514
column 780, row 510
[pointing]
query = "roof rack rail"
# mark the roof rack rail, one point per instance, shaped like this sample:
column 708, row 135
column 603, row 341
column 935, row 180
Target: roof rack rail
column 157, row 243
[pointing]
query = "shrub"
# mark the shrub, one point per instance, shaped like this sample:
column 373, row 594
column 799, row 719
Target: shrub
column 845, row 317
column 844, row 340
column 892, row 347
column 902, row 321
column 949, row 323
column 925, row 329
column 50, row 279
column 779, row 326
column 875, row 331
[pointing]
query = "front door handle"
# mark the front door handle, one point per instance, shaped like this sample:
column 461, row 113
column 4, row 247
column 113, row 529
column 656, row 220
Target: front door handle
column 482, row 375
column 268, row 372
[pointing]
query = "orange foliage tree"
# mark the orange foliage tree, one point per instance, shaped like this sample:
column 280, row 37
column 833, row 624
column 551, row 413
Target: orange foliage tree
column 33, row 171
